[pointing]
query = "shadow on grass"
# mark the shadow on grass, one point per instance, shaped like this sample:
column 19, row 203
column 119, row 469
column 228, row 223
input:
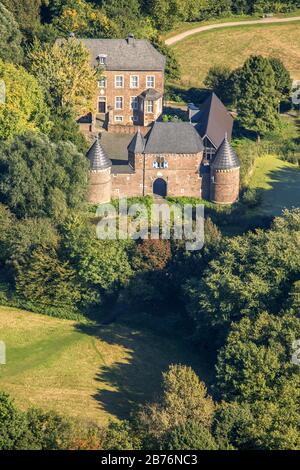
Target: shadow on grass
column 284, row 191
column 138, row 380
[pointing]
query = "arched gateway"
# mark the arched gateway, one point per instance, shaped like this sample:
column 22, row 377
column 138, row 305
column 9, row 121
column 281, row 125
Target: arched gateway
column 160, row 187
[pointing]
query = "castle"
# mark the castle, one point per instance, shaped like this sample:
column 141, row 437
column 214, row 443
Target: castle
column 192, row 158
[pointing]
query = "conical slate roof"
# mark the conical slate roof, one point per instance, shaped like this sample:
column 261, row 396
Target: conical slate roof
column 97, row 157
column 137, row 145
column 225, row 158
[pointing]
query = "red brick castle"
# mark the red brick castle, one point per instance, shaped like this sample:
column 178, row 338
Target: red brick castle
column 192, row 158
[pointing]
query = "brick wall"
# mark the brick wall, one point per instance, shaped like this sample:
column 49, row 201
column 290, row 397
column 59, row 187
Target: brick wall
column 99, row 190
column 182, row 176
column 225, row 186
column 110, row 92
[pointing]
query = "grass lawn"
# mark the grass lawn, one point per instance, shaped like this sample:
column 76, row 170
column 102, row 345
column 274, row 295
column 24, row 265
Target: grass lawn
column 83, row 370
column 184, row 26
column 279, row 183
column 232, row 46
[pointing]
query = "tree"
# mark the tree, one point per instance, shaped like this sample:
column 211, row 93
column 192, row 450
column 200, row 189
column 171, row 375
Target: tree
column 39, row 178
column 10, row 37
column 24, row 107
column 120, row 436
column 26, row 12
column 64, row 72
column 58, row 289
column 257, row 97
column 102, row 266
column 65, row 128
column 255, row 363
column 184, row 399
column 219, row 8
column 250, row 274
column 12, row 424
column 191, row 436
column 220, row 80
column 84, row 20
column 172, row 70
column 283, row 81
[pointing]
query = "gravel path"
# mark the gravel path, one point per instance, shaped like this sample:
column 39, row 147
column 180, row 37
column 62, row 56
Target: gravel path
column 200, row 29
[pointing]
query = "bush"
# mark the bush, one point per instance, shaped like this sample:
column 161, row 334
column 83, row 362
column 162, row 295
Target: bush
column 252, row 198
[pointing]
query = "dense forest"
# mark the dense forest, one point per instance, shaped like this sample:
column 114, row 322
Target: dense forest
column 236, row 301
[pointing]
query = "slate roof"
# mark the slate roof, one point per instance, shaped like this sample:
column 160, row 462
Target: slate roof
column 213, row 120
column 151, row 94
column 97, row 157
column 225, row 158
column 173, row 137
column 137, row 144
column 126, row 54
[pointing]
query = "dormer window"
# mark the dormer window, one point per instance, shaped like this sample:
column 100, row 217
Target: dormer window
column 102, row 59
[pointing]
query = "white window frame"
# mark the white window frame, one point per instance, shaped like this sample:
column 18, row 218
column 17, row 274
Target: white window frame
column 103, row 79
column 116, row 78
column 122, row 98
column 150, row 77
column 134, row 100
column 151, row 106
column 138, row 81
column 119, row 119
column 101, row 59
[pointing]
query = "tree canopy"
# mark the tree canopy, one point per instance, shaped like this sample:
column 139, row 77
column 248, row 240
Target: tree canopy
column 39, row 178
column 24, row 107
column 10, row 37
column 64, row 72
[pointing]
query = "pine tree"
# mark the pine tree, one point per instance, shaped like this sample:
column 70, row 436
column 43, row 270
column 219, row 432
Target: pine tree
column 257, row 96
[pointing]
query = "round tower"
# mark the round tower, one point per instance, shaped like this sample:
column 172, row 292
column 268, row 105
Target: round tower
column 225, row 175
column 99, row 187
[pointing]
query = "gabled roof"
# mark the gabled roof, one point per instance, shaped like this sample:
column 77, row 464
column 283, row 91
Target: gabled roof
column 97, row 157
column 225, row 158
column 213, row 120
column 173, row 137
column 126, row 54
column 137, row 144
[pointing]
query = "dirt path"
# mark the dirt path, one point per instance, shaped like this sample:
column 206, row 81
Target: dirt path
column 200, row 29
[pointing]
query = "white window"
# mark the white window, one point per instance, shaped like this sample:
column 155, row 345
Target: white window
column 102, row 82
column 119, row 102
column 150, row 81
column 150, row 106
column 134, row 104
column 134, row 81
column 119, row 81
column 118, row 118
column 101, row 59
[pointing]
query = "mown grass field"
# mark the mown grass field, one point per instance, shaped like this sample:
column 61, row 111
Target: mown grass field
column 95, row 373
column 232, row 46
column 279, row 183
column 184, row 25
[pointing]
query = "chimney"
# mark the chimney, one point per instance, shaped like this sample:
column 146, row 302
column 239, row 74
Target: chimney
column 130, row 39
